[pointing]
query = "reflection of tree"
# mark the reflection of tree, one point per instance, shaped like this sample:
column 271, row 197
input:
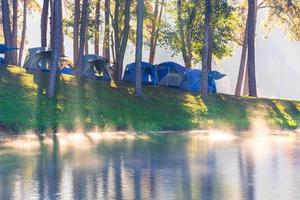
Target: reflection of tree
column 246, row 169
column 207, row 184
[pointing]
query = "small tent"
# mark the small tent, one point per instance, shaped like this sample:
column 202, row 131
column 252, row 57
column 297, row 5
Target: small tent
column 96, row 67
column 192, row 80
column 149, row 75
column 170, row 74
column 40, row 59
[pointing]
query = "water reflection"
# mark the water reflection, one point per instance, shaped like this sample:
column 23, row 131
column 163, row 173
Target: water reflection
column 172, row 167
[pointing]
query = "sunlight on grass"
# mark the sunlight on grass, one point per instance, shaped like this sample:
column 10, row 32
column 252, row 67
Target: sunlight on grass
column 16, row 70
column 130, row 90
column 289, row 119
column 67, row 78
column 297, row 105
column 113, row 84
column 194, row 104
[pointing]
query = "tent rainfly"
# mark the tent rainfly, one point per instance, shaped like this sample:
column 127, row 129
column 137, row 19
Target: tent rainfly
column 192, row 81
column 170, row 74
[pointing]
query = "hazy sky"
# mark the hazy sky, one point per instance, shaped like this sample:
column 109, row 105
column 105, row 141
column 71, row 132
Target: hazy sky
column 277, row 61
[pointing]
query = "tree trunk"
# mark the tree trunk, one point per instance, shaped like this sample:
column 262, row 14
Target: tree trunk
column 83, row 27
column 153, row 49
column 76, row 30
column 186, row 59
column 251, row 48
column 44, row 23
column 97, row 27
column 106, row 53
column 86, row 47
column 112, row 47
column 23, row 38
column 121, row 39
column 139, row 47
column 6, row 28
column 124, row 40
column 242, row 63
column 153, row 32
column 246, row 83
column 62, row 42
column 204, row 82
column 15, row 32
column 210, row 49
column 57, row 29
column 52, row 24
column 116, row 38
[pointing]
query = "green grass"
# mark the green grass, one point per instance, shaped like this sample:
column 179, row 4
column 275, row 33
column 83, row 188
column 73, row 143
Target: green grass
column 90, row 105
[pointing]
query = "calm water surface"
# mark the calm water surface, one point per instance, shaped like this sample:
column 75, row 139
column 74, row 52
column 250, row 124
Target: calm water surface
column 171, row 167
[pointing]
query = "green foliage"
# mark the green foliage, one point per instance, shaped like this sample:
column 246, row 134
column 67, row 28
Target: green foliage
column 285, row 13
column 224, row 22
column 68, row 22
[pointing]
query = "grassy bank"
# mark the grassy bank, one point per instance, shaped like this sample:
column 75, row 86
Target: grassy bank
column 90, row 105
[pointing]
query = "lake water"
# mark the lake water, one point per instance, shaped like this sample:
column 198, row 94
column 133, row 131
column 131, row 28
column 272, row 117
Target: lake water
column 169, row 167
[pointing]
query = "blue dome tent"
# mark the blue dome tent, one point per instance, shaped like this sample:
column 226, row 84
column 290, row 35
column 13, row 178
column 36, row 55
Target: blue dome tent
column 149, row 75
column 170, row 74
column 192, row 81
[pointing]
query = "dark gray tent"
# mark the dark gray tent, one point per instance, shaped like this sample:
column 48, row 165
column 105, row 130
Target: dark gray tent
column 38, row 59
column 96, row 67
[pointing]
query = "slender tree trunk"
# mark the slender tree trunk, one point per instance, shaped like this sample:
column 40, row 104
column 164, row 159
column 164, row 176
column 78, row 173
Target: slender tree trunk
column 121, row 39
column 204, row 82
column 242, row 63
column 62, row 48
column 139, row 47
column 186, row 59
column 15, row 31
column 52, row 24
column 153, row 31
column 106, row 53
column 44, row 23
column 6, row 28
column 112, row 48
column 251, row 48
column 23, row 38
column 153, row 48
column 86, row 47
column 62, row 42
column 124, row 40
column 210, row 49
column 97, row 27
column 116, row 37
column 57, row 29
column 76, row 30
column 83, row 27
column 246, row 83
